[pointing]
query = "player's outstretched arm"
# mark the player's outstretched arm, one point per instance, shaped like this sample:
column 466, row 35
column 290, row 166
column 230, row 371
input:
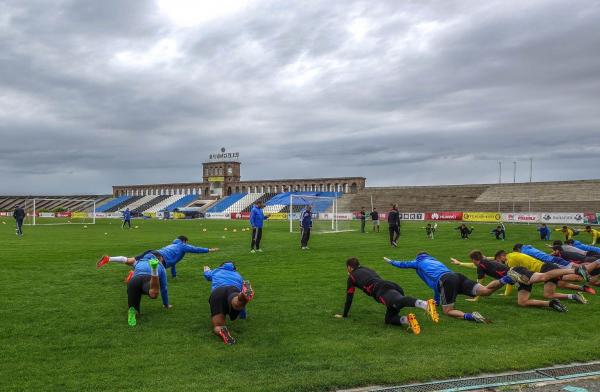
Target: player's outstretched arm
column 401, row 264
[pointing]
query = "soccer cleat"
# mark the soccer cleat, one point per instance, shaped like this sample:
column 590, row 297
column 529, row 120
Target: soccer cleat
column 432, row 311
column 252, row 251
column 153, row 263
column 259, row 250
column 413, row 324
column 247, row 290
column 588, row 289
column 478, row 318
column 226, row 336
column 518, row 277
column 129, row 276
column 103, row 260
column 556, row 305
column 581, row 271
column 579, row 298
column 131, row 317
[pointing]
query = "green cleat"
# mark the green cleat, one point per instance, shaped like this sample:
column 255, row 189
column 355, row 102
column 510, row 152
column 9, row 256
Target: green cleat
column 154, row 264
column 579, row 298
column 131, row 317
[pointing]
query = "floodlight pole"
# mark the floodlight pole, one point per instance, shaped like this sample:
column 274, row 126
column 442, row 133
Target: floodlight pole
column 530, row 181
column 499, row 182
column 34, row 212
column 514, row 182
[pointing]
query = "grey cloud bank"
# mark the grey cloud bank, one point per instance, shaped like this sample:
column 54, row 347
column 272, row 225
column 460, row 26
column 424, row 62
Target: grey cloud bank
column 100, row 93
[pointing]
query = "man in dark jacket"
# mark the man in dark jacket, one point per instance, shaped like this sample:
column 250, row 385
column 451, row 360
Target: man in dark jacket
column 362, row 215
column 19, row 215
column 305, row 226
column 375, row 220
column 394, row 225
column 257, row 219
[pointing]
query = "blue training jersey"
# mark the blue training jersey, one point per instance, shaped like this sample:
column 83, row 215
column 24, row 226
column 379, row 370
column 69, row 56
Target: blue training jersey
column 429, row 269
column 142, row 267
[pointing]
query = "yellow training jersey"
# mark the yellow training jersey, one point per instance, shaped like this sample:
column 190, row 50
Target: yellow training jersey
column 516, row 259
column 568, row 234
column 595, row 236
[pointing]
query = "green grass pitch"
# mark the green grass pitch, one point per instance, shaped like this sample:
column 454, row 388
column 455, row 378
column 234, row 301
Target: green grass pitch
column 64, row 322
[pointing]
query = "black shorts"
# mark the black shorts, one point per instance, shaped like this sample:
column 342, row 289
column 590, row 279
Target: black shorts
column 141, row 255
column 382, row 288
column 452, row 284
column 220, row 300
column 550, row 267
column 526, row 272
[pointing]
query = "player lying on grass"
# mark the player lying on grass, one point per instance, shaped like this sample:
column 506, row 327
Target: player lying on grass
column 172, row 255
column 516, row 259
column 594, row 250
column 149, row 277
column 387, row 293
column 447, row 285
column 545, row 257
column 465, row 232
column 230, row 294
column 524, row 277
column 570, row 252
column 594, row 233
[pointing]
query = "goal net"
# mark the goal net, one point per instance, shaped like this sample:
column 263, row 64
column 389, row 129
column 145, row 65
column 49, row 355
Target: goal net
column 325, row 216
column 60, row 211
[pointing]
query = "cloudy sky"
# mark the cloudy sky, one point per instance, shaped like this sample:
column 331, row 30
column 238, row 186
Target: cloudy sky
column 96, row 93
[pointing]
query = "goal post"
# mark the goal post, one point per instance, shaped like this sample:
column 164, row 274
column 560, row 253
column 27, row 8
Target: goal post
column 60, row 211
column 325, row 213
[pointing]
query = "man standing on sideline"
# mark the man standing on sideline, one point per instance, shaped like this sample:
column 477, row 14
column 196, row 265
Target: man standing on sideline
column 257, row 219
column 375, row 220
column 126, row 218
column 394, row 225
column 305, row 226
column 19, row 215
column 362, row 215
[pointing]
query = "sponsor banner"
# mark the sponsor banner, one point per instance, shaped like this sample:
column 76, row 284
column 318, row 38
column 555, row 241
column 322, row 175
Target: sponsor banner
column 216, row 215
column 67, row 214
column 562, row 217
column 5, row 213
column 534, row 217
column 339, row 216
column 79, row 215
column 216, row 179
column 178, row 215
column 481, row 216
column 277, row 216
column 443, row 216
column 590, row 218
column 412, row 216
column 98, row 215
column 382, row 216
column 46, row 214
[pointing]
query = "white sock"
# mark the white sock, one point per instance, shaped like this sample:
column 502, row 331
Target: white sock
column 571, row 296
column 154, row 271
column 421, row 304
column 403, row 320
column 118, row 259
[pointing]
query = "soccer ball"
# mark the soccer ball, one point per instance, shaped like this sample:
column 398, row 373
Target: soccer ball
column 85, row 226
column 137, row 227
column 105, row 233
column 203, row 229
column 223, row 236
column 234, row 230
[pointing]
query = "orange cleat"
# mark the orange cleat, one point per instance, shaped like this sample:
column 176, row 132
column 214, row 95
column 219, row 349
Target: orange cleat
column 102, row 261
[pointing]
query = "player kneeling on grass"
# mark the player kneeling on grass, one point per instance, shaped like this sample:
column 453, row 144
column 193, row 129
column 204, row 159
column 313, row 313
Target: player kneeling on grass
column 172, row 254
column 149, row 277
column 516, row 259
column 230, row 294
column 387, row 293
column 446, row 284
column 525, row 278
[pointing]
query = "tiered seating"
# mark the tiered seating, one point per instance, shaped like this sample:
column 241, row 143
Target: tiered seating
column 560, row 196
column 264, row 198
column 244, row 202
column 163, row 204
column 136, row 203
column 183, row 202
column 112, row 203
column 155, row 200
column 71, row 203
column 121, row 205
column 226, row 202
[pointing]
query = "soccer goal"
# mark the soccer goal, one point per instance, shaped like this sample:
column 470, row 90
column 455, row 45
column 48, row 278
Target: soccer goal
column 60, row 211
column 326, row 218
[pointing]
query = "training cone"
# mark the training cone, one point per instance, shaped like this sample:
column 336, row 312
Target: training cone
column 203, row 229
column 85, row 227
column 225, row 229
column 234, row 230
column 137, row 227
column 105, row 233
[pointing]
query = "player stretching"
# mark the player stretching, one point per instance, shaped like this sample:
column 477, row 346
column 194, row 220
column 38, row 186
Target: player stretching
column 516, row 259
column 525, row 278
column 568, row 232
column 172, row 255
column 594, row 233
column 465, row 232
column 387, row 293
column 230, row 294
column 446, row 284
column 149, row 277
